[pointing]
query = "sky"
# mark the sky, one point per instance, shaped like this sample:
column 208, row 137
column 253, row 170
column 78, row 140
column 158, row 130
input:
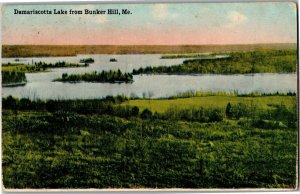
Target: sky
column 153, row 24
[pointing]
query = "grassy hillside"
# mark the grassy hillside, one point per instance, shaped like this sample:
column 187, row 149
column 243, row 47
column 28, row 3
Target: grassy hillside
column 99, row 144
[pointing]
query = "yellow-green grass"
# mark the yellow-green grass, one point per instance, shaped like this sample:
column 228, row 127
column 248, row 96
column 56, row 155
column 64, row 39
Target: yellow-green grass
column 21, row 68
column 14, row 67
column 161, row 105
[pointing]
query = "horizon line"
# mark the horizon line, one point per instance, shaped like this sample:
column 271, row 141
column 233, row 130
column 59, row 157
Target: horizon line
column 146, row 44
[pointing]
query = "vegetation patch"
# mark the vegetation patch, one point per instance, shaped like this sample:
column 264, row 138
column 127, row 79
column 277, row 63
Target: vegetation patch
column 21, row 68
column 13, row 77
column 104, row 76
column 59, row 64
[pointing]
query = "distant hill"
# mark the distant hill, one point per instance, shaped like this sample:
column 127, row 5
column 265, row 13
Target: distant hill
column 72, row 50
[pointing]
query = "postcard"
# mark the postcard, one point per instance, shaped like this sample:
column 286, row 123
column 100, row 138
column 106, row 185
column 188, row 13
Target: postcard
column 149, row 96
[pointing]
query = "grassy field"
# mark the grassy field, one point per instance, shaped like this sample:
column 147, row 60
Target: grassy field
column 162, row 105
column 72, row 50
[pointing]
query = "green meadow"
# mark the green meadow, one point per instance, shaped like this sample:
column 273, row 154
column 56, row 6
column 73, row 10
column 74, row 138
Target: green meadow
column 162, row 105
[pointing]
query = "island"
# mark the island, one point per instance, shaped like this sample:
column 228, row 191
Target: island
column 113, row 60
column 87, row 60
column 105, row 76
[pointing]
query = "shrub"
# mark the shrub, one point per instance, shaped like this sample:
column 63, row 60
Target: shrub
column 146, row 114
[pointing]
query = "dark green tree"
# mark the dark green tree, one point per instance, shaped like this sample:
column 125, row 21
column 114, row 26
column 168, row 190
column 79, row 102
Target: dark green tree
column 228, row 110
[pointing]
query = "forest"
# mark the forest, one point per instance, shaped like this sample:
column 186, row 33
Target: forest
column 266, row 61
column 104, row 143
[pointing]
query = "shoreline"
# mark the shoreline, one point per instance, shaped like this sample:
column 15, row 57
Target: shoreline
column 14, row 84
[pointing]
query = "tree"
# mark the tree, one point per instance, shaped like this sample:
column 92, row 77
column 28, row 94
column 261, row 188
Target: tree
column 228, row 110
column 64, row 76
column 135, row 111
column 10, row 103
column 24, row 103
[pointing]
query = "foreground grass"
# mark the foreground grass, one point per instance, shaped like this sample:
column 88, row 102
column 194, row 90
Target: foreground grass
column 100, row 144
column 69, row 50
column 70, row 150
column 162, row 105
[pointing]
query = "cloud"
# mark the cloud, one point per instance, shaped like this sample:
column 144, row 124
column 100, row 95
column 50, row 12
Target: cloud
column 160, row 11
column 236, row 18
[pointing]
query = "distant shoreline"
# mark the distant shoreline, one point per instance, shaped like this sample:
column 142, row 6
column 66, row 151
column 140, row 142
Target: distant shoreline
column 15, row 51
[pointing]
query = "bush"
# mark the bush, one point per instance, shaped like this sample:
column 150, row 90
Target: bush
column 135, row 111
column 146, row 114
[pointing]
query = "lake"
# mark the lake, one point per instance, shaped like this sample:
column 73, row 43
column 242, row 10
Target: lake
column 40, row 85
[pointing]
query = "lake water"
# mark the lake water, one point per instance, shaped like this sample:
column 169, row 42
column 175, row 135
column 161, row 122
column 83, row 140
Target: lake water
column 40, row 85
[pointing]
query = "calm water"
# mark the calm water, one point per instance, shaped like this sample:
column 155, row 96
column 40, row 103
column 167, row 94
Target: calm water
column 40, row 85
column 124, row 62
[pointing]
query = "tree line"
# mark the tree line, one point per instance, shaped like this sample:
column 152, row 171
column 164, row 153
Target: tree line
column 248, row 114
